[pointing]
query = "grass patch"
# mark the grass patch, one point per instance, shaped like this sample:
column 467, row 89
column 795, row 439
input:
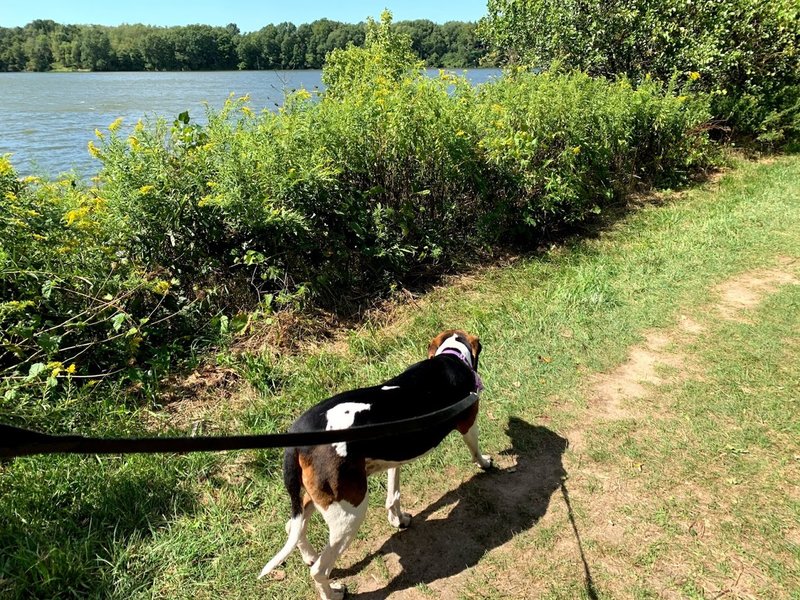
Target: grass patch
column 686, row 496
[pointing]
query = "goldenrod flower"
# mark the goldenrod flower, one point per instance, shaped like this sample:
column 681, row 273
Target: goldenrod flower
column 115, row 125
column 161, row 287
column 694, row 75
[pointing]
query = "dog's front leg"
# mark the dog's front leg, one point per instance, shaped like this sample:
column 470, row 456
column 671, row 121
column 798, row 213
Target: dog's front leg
column 471, row 439
column 397, row 518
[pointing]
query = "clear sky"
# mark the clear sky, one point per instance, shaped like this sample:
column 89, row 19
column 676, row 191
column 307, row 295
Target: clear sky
column 249, row 15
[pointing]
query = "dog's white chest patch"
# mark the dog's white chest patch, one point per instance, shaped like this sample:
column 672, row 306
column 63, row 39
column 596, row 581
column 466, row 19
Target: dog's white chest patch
column 342, row 416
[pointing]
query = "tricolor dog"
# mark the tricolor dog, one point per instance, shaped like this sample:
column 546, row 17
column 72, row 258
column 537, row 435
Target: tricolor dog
column 334, row 476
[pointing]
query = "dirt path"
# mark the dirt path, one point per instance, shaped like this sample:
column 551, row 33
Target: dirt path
column 562, row 501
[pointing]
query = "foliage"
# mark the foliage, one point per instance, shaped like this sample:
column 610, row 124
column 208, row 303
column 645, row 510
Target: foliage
column 564, row 145
column 72, row 303
column 743, row 52
column 45, row 45
column 387, row 56
column 388, row 177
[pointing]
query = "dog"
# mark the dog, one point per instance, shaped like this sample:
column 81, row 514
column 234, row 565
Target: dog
column 334, row 476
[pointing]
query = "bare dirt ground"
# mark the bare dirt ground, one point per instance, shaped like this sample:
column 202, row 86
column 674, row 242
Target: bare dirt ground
column 563, row 513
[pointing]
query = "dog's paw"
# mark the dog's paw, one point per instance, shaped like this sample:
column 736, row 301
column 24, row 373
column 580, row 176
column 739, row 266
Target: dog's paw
column 338, row 591
column 400, row 521
column 485, row 461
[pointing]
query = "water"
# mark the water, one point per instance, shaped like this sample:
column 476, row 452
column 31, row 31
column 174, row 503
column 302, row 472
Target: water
column 47, row 119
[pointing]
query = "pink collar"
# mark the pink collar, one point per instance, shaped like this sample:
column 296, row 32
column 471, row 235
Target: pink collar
column 466, row 361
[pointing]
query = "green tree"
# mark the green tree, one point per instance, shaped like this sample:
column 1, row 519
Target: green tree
column 96, row 52
column 743, row 51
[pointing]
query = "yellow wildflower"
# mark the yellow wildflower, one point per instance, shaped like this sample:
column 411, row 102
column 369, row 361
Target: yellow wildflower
column 5, row 166
column 56, row 368
column 76, row 214
column 246, row 110
column 139, row 126
column 115, row 125
column 576, row 150
column 161, row 287
column 98, row 133
column 461, row 133
column 71, row 369
column 93, row 150
column 694, row 75
column 146, row 189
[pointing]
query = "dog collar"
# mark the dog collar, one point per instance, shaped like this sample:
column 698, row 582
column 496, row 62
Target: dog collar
column 467, row 360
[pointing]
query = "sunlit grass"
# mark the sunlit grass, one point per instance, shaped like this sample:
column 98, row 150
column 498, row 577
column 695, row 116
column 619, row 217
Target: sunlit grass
column 202, row 527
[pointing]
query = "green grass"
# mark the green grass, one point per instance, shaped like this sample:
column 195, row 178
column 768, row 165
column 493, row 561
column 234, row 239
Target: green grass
column 716, row 450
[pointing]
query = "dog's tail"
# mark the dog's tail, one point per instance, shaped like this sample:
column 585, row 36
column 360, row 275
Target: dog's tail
column 292, row 479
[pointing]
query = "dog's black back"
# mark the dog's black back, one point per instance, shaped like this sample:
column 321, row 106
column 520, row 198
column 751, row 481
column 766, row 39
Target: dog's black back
column 424, row 387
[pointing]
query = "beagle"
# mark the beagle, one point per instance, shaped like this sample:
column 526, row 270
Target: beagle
column 334, row 476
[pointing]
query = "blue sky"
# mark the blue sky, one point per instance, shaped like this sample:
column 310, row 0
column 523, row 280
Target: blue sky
column 249, row 15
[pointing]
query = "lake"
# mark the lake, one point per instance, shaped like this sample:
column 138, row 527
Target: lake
column 46, row 119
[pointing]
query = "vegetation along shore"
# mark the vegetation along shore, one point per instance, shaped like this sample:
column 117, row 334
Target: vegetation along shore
column 222, row 249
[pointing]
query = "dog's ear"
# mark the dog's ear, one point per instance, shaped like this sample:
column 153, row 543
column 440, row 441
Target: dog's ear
column 438, row 341
column 476, row 346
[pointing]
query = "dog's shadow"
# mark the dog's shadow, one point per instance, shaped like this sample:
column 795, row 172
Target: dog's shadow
column 487, row 511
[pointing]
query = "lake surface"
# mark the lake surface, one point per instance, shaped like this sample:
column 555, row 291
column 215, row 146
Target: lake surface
column 46, row 119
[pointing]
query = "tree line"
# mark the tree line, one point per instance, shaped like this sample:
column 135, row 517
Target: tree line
column 44, row 45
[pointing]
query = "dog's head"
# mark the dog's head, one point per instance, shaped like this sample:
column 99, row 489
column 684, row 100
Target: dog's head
column 467, row 345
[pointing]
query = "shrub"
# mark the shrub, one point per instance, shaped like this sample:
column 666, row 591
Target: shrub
column 569, row 143
column 71, row 299
column 387, row 177
column 743, row 52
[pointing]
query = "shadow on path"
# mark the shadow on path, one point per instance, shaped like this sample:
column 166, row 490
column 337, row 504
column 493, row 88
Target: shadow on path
column 487, row 511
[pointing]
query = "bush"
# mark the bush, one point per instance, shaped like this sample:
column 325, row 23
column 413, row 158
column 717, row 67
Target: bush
column 72, row 302
column 742, row 52
column 387, row 177
column 567, row 144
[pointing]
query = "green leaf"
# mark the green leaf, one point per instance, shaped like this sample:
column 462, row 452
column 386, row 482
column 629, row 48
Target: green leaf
column 117, row 320
column 47, row 288
column 48, row 343
column 239, row 323
column 36, row 370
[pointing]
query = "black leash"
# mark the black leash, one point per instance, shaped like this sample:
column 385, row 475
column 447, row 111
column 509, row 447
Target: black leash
column 16, row 441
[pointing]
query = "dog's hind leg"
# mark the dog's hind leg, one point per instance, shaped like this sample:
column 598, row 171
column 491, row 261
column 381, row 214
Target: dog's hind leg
column 471, row 439
column 397, row 518
column 343, row 520
column 310, row 555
